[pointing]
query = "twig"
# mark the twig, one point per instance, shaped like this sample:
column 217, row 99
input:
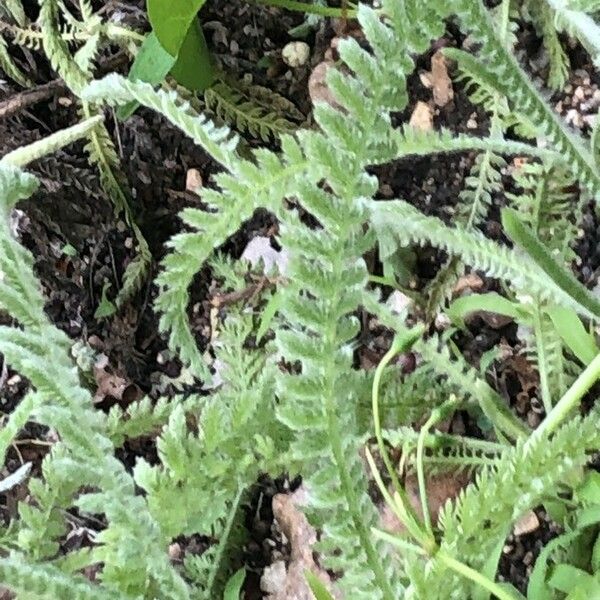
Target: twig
column 26, row 98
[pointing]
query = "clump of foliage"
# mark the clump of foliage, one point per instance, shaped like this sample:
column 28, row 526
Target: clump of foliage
column 298, row 401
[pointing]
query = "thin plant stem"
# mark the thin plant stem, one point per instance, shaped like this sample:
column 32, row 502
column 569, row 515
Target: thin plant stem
column 26, row 154
column 476, row 577
column 570, row 400
column 382, row 280
column 542, row 358
column 400, row 343
column 421, row 471
column 398, row 541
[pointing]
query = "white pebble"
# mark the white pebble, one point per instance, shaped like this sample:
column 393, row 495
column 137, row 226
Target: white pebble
column 295, row 54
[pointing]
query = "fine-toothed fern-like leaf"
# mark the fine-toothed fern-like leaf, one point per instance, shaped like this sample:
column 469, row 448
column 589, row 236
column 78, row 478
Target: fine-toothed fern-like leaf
column 544, row 18
column 100, row 148
column 509, row 79
column 400, row 221
column 47, row 582
column 56, row 48
column 140, row 418
column 263, row 182
column 483, row 180
column 579, row 24
column 254, row 110
column 211, row 569
column 8, row 66
column 16, row 11
column 83, row 457
column 469, row 383
column 523, row 477
column 238, row 438
column 548, row 203
column 409, row 141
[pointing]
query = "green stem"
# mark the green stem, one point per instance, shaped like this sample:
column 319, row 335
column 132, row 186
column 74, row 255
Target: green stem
column 400, row 343
column 312, row 9
column 542, row 357
column 26, row 154
column 570, row 400
column 474, row 576
column 383, row 280
column 421, row 471
column 398, row 542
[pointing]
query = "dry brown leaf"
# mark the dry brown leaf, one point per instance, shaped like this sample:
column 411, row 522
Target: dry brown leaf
column 318, row 89
column 109, row 384
column 440, row 80
column 440, row 488
column 422, row 117
column 470, row 281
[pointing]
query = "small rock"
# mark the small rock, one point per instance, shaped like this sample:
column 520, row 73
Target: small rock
column 573, row 118
column 528, row 523
column 422, row 117
column 193, row 180
column 14, row 380
column 441, row 82
column 425, row 78
column 398, row 302
column 472, row 123
column 469, row 281
column 533, row 419
column 590, row 120
column 175, row 551
column 442, row 322
column 579, row 93
column 260, row 249
column 273, row 578
column 295, row 54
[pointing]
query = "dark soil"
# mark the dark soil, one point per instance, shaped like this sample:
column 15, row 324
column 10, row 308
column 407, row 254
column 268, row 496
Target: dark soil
column 80, row 245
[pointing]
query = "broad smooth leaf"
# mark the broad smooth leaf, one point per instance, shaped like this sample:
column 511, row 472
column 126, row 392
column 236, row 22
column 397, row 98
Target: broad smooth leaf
column 538, row 588
column 317, row 587
column 194, row 68
column 570, row 328
column 568, row 578
column 152, row 64
column 171, row 20
column 234, row 585
column 490, row 302
column 490, row 568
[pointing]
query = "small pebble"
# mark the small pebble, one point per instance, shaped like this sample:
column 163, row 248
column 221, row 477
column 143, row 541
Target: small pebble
column 528, row 523
column 471, row 123
column 175, row 551
column 295, row 54
column 193, row 180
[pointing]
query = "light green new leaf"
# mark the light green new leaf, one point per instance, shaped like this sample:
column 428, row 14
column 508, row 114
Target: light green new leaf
column 106, row 308
column 234, row 585
column 490, row 302
column 317, row 587
column 570, row 328
column 152, row 64
column 569, row 579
